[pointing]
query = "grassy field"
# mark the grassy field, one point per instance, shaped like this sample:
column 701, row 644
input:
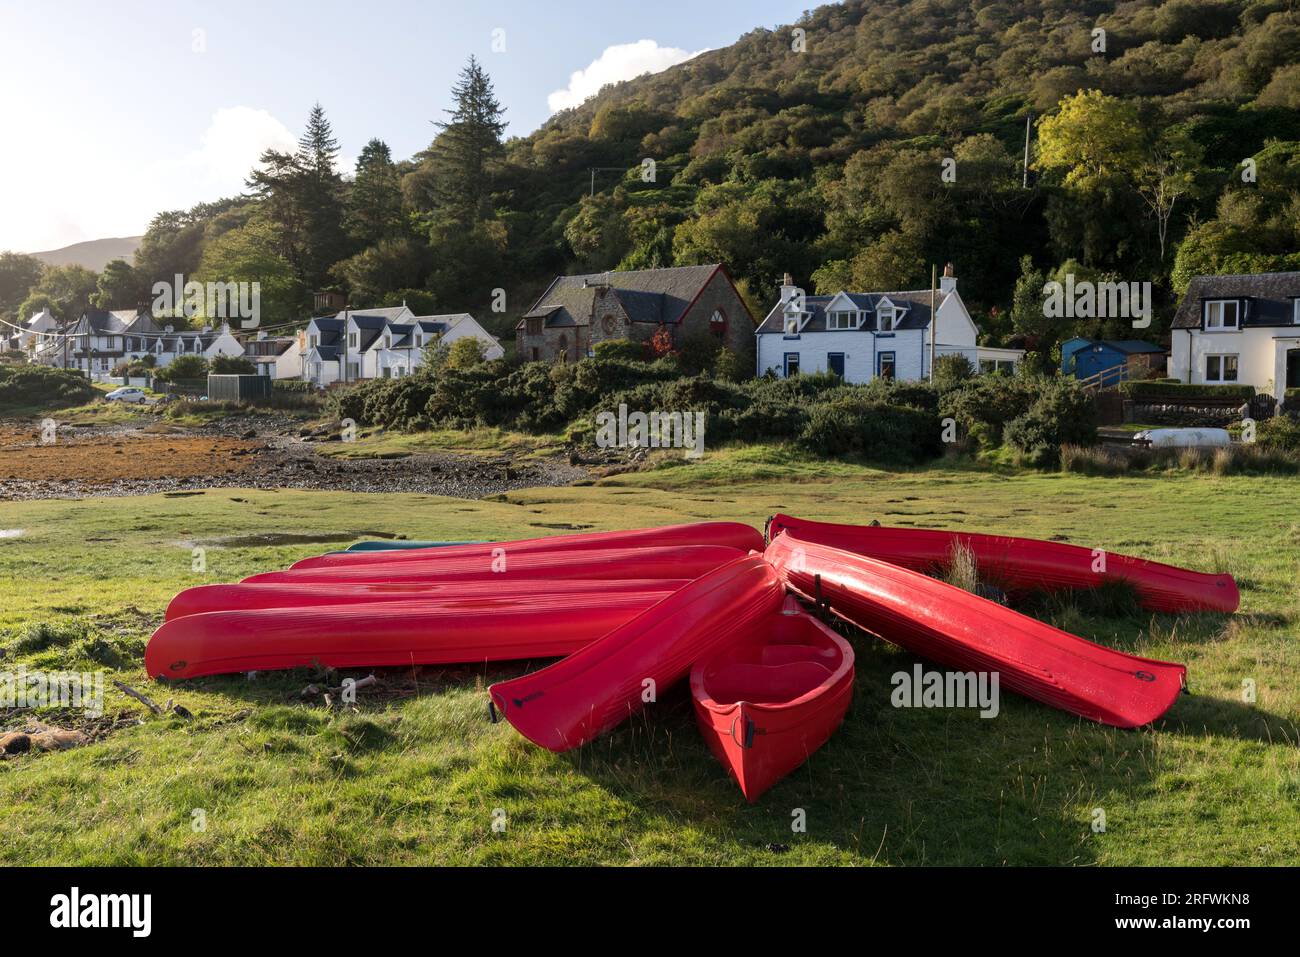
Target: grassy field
column 415, row 777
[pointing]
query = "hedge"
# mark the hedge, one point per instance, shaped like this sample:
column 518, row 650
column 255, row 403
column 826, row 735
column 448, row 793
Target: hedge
column 1145, row 389
column 34, row 385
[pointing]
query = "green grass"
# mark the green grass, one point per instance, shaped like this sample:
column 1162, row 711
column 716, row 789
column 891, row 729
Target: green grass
column 415, row 779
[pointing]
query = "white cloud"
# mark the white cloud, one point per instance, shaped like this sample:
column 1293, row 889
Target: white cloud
column 623, row 61
column 232, row 143
column 68, row 195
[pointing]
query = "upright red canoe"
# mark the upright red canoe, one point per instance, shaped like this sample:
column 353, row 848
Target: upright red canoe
column 955, row 628
column 386, row 634
column 764, row 705
column 677, row 562
column 1024, row 564
column 244, row 597
column 593, row 690
column 729, row 534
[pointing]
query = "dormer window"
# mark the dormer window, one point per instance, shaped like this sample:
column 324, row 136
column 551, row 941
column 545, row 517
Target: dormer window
column 718, row 324
column 885, row 318
column 1295, row 311
column 842, row 320
column 1222, row 314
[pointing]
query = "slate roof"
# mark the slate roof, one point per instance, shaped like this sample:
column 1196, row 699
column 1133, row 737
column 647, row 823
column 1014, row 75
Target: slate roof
column 102, row 322
column 646, row 295
column 1270, row 297
column 917, row 303
column 1131, row 346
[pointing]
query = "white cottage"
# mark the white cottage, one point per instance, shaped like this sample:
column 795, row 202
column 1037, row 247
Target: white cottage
column 860, row 336
column 1239, row 329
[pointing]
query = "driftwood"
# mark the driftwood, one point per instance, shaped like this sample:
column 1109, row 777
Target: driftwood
column 142, row 698
column 313, row 690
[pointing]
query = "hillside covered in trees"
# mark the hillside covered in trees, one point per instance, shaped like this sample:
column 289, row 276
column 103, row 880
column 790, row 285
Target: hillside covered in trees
column 852, row 149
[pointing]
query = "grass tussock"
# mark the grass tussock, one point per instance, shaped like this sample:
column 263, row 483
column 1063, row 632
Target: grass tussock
column 1241, row 459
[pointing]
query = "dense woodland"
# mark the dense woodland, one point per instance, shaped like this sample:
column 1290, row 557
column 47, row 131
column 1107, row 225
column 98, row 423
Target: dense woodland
column 817, row 149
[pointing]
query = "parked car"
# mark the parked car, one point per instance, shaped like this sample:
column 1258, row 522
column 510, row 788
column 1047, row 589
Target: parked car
column 126, row 394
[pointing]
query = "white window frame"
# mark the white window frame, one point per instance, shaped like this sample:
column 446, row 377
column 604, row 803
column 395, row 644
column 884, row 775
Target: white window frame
column 841, row 320
column 352, row 340
column 1295, row 310
column 785, row 363
column 1220, row 325
column 1223, row 357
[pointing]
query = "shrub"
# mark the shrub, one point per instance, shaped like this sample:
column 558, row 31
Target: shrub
column 291, row 385
column 1279, row 433
column 984, row 405
column 184, row 367
column 872, row 430
column 624, row 349
column 1063, row 413
column 30, row 385
column 1159, row 389
column 951, row 370
column 464, row 353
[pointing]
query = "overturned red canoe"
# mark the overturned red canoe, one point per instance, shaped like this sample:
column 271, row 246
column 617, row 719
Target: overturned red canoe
column 386, row 634
column 205, row 598
column 729, row 534
column 767, row 703
column 676, row 562
column 955, row 628
column 593, row 690
column 1024, row 564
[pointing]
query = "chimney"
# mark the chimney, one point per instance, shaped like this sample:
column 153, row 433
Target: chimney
column 947, row 282
column 788, row 289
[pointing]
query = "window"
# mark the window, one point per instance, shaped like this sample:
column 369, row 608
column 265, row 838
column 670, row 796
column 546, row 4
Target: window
column 352, row 340
column 885, row 317
column 718, row 323
column 885, row 365
column 1221, row 368
column 791, row 364
column 835, row 363
column 842, row 320
column 536, row 353
column 562, row 348
column 387, row 372
column 1295, row 310
column 1222, row 314
column 533, row 327
column 419, row 340
column 313, row 341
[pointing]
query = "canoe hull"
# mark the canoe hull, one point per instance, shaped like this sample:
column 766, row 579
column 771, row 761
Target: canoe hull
column 957, row 629
column 760, row 742
column 592, row 691
column 1025, row 564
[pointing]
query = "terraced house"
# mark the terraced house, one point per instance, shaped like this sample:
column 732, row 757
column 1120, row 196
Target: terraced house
column 103, row 339
column 381, row 343
column 576, row 312
column 860, row 336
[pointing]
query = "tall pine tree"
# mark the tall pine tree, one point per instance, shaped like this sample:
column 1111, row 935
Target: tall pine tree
column 463, row 157
column 374, row 209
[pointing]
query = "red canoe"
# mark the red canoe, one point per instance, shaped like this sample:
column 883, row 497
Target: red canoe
column 593, row 690
column 206, row 598
column 729, row 534
column 679, row 561
column 768, row 703
column 386, row 635
column 955, row 628
column 1024, row 564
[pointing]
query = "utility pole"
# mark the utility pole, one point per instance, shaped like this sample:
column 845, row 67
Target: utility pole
column 1025, row 179
column 934, row 316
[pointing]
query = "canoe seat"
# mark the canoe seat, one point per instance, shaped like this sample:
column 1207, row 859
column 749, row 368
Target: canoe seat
column 764, row 684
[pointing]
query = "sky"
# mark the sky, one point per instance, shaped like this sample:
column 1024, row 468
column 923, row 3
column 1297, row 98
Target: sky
column 113, row 111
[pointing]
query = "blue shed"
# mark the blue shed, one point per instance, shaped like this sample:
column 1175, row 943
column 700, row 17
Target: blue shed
column 1095, row 356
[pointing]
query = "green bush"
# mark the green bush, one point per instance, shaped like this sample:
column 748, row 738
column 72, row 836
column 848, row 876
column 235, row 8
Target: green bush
column 25, row 386
column 1157, row 389
column 1062, row 414
column 231, row 365
column 870, row 430
column 951, row 370
column 1280, row 433
column 984, row 405
column 624, row 349
column 291, row 385
column 184, row 367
